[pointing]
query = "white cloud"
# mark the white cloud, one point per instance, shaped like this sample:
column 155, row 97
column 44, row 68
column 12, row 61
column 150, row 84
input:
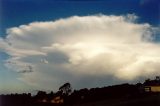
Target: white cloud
column 91, row 46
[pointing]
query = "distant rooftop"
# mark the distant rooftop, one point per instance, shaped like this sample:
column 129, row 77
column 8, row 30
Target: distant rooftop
column 155, row 82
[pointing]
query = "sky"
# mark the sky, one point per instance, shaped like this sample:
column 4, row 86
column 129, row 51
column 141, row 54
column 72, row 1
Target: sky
column 89, row 43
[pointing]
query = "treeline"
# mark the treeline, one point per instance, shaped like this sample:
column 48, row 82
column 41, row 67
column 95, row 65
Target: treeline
column 65, row 95
column 96, row 94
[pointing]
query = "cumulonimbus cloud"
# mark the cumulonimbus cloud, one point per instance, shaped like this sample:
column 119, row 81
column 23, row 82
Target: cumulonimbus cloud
column 67, row 49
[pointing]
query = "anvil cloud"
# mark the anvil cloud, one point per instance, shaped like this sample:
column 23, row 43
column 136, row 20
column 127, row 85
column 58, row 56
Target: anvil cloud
column 80, row 49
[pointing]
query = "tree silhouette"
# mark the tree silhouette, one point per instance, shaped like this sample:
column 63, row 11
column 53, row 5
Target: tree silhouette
column 65, row 89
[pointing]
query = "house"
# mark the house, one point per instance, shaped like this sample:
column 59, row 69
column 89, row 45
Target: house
column 152, row 85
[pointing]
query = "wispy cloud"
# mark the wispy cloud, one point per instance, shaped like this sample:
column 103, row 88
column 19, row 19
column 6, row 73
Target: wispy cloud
column 95, row 46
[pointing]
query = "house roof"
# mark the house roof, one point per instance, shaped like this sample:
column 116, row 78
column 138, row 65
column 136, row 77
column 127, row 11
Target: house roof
column 152, row 83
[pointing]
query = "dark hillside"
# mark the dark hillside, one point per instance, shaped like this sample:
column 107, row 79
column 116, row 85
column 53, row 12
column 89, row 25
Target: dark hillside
column 117, row 95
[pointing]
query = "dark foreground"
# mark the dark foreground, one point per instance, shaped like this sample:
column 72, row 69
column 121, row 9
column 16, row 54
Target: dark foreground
column 150, row 99
column 117, row 95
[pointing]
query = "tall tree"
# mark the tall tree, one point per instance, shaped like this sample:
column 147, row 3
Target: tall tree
column 66, row 88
